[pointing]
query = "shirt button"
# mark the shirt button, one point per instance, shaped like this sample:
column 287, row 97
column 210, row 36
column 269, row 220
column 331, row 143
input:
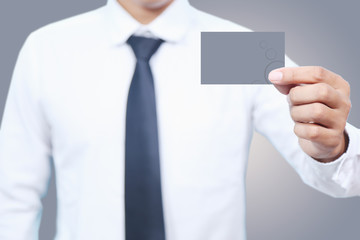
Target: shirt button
column 147, row 34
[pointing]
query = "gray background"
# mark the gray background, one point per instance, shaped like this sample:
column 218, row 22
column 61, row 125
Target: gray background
column 318, row 32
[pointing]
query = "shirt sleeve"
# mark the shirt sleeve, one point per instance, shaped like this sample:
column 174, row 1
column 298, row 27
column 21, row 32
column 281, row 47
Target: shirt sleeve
column 271, row 117
column 24, row 151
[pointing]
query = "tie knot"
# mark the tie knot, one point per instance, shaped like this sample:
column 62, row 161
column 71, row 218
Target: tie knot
column 144, row 47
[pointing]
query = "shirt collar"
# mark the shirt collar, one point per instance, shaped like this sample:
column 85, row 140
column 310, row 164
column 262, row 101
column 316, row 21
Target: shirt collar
column 171, row 26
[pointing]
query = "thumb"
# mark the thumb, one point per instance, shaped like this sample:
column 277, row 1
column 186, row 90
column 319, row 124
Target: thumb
column 277, row 76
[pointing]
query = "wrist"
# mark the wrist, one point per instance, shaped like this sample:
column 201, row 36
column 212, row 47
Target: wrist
column 339, row 151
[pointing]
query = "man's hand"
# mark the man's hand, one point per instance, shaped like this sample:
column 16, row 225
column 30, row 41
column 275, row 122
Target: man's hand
column 319, row 104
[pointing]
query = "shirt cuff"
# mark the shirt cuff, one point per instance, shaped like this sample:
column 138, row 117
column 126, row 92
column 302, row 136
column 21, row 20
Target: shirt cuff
column 346, row 166
column 338, row 170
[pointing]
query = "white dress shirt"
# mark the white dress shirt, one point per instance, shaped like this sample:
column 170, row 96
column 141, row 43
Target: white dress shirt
column 67, row 99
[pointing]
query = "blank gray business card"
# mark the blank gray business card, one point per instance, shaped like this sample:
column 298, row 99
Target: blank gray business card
column 240, row 57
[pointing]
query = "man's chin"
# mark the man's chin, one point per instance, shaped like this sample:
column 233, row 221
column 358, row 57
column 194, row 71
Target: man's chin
column 153, row 4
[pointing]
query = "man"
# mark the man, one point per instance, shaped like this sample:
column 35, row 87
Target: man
column 141, row 149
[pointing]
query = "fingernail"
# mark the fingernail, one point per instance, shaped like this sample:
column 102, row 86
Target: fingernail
column 275, row 76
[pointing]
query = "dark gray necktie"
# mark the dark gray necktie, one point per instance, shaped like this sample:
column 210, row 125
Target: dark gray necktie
column 143, row 199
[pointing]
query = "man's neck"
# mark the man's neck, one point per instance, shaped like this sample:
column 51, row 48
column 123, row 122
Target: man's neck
column 142, row 13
